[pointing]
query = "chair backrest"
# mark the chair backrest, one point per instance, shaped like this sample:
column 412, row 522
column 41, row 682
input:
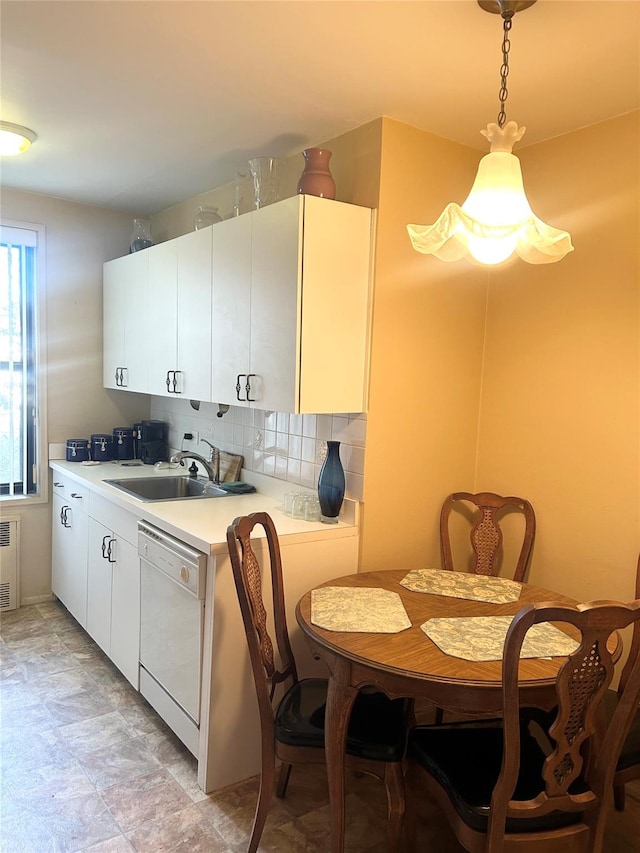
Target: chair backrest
column 634, row 649
column 271, row 664
column 569, row 782
column 486, row 534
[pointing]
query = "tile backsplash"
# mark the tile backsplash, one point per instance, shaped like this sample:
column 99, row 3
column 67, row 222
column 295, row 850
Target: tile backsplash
column 278, row 444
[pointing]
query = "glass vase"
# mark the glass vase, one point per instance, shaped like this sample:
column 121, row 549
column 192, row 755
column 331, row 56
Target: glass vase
column 266, row 173
column 140, row 236
column 331, row 484
column 206, row 216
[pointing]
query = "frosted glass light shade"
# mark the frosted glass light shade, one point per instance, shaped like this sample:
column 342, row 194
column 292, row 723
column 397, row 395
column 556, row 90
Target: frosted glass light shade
column 14, row 139
column 496, row 220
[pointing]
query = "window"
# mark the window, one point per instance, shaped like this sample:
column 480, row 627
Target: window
column 19, row 400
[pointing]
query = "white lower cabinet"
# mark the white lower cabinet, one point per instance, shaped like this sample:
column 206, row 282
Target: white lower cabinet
column 113, row 585
column 125, row 611
column 102, row 548
column 70, row 524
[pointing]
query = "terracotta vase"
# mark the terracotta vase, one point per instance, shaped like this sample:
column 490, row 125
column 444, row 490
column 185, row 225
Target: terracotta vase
column 316, row 178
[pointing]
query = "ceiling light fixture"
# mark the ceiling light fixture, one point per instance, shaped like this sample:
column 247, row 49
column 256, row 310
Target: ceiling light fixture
column 15, row 139
column 496, row 221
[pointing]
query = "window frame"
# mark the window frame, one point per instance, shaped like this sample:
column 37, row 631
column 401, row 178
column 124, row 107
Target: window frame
column 37, row 371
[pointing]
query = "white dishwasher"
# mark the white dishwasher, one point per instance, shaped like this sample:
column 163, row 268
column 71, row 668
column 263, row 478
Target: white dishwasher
column 172, row 587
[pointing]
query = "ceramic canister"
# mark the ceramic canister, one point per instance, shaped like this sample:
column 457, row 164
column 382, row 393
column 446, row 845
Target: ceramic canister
column 123, row 443
column 77, row 450
column 101, row 447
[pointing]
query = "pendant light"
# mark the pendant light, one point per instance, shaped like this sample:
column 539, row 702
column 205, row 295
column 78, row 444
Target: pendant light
column 496, row 221
column 15, row 139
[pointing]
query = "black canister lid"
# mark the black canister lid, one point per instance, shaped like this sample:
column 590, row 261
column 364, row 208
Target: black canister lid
column 74, row 442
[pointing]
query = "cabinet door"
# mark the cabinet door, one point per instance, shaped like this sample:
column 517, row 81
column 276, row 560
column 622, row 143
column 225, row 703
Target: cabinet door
column 231, row 309
column 161, row 313
column 276, row 304
column 102, row 550
column 194, row 314
column 335, row 306
column 125, row 610
column 124, row 299
column 69, row 557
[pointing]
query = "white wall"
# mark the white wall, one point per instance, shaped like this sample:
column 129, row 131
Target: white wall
column 79, row 238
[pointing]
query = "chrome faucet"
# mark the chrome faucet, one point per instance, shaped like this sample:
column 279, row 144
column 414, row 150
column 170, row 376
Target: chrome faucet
column 214, row 476
column 214, row 460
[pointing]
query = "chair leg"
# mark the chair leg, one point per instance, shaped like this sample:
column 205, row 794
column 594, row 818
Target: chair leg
column 283, row 779
column 267, row 781
column 396, row 804
column 618, row 797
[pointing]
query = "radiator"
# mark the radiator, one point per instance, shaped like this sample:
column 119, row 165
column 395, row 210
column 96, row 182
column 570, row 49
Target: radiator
column 9, row 538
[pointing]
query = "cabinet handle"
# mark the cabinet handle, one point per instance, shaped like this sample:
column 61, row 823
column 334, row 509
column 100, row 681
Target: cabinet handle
column 124, row 377
column 77, row 497
column 117, row 375
column 109, row 550
column 168, row 382
column 63, row 516
column 239, row 388
column 104, row 546
column 175, row 381
column 248, row 388
column 59, row 485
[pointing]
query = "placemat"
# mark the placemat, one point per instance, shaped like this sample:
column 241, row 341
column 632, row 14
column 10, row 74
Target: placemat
column 460, row 585
column 479, row 638
column 372, row 611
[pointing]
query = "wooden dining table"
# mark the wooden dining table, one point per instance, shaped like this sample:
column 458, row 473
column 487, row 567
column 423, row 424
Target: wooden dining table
column 409, row 664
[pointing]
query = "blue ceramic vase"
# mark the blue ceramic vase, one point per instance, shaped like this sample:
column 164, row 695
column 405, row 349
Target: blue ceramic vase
column 331, row 484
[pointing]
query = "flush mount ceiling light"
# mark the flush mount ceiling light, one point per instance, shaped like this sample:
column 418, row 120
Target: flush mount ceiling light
column 496, row 221
column 15, row 139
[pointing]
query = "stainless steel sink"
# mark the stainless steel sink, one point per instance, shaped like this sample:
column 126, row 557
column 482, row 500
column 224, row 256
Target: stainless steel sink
column 168, row 488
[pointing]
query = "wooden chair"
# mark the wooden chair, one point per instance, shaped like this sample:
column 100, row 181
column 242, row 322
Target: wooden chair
column 292, row 728
column 507, row 784
column 628, row 766
column 486, row 534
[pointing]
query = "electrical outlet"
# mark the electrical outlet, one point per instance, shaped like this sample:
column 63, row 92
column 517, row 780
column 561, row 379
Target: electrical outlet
column 192, row 442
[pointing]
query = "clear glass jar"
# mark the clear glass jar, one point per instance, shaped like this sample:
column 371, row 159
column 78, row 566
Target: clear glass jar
column 206, row 216
column 140, row 236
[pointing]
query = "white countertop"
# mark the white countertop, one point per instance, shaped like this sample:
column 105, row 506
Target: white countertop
column 202, row 522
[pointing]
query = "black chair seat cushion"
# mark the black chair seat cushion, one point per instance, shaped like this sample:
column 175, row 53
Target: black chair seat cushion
column 630, row 755
column 376, row 729
column 465, row 758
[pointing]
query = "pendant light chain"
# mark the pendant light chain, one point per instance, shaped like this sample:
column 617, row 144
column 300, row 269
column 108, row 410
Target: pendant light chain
column 507, row 18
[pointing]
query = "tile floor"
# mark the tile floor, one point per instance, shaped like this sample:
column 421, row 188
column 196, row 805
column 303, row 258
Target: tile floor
column 87, row 765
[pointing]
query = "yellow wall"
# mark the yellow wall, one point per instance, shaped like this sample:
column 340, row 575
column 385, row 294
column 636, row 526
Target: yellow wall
column 559, row 419
column 428, row 325
column 521, row 380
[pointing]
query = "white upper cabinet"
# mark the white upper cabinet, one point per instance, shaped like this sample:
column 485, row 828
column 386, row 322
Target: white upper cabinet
column 125, row 285
column 231, row 314
column 269, row 309
column 179, row 316
column 291, row 288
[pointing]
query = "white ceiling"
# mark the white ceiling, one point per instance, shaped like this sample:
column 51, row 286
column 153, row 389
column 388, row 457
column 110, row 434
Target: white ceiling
column 140, row 104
